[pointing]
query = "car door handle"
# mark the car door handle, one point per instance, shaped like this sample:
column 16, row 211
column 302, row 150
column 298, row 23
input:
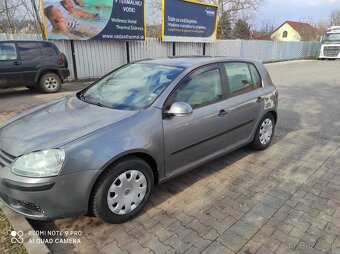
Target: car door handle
column 16, row 63
column 259, row 100
column 222, row 113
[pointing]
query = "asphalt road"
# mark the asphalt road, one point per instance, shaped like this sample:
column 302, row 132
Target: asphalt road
column 309, row 97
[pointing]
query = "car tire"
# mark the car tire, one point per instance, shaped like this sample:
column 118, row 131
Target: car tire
column 50, row 83
column 264, row 133
column 122, row 190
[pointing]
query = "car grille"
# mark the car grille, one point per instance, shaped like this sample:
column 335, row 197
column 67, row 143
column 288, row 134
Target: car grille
column 31, row 206
column 6, row 159
column 18, row 205
column 331, row 51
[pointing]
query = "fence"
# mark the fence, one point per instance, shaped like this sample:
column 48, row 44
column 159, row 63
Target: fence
column 92, row 59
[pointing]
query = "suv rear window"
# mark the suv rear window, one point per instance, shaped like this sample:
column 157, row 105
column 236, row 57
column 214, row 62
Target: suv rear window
column 46, row 49
column 29, row 50
column 8, row 51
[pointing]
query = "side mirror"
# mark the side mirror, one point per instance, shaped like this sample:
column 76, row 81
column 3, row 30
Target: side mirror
column 179, row 109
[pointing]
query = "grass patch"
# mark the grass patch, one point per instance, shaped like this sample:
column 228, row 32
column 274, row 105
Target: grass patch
column 6, row 246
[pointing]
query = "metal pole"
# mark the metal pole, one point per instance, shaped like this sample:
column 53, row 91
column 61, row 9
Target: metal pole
column 127, row 52
column 74, row 61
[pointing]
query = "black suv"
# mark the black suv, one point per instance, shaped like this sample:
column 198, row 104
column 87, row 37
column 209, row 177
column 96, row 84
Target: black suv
column 34, row 64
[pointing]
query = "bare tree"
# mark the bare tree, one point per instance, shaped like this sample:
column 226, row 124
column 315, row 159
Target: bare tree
column 309, row 35
column 20, row 16
column 236, row 8
column 264, row 30
column 335, row 17
column 232, row 8
column 8, row 10
column 37, row 16
column 321, row 27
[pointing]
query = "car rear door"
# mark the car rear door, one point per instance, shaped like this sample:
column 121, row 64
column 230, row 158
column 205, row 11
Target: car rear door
column 246, row 103
column 191, row 139
column 30, row 55
column 10, row 65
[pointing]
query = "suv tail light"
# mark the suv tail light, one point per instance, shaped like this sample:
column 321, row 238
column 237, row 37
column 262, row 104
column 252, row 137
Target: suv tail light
column 63, row 60
column 62, row 57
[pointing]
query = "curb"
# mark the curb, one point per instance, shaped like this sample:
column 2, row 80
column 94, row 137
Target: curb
column 19, row 223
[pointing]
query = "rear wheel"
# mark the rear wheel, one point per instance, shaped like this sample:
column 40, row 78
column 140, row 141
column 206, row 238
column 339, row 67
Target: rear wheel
column 264, row 133
column 50, row 83
column 123, row 190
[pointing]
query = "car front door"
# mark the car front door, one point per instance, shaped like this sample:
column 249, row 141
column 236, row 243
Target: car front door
column 245, row 103
column 10, row 65
column 192, row 139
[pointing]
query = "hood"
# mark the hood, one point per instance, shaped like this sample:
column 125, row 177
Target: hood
column 54, row 124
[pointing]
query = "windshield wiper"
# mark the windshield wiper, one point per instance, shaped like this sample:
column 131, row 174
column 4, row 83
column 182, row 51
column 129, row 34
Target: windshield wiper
column 94, row 102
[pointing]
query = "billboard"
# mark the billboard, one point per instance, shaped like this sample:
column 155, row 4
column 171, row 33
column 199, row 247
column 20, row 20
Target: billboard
column 189, row 21
column 94, row 19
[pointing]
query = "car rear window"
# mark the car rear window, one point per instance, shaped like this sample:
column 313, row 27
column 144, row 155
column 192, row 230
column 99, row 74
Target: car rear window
column 257, row 81
column 47, row 49
column 242, row 77
column 239, row 78
column 29, row 50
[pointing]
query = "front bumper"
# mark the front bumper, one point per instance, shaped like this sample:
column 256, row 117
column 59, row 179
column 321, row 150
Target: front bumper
column 47, row 198
column 330, row 51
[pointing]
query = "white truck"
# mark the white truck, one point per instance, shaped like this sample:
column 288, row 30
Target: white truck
column 330, row 44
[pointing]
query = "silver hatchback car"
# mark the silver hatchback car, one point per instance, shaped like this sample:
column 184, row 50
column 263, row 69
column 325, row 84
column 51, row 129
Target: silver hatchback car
column 102, row 150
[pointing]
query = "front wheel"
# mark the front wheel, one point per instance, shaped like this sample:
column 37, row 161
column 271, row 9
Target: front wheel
column 264, row 133
column 50, row 83
column 123, row 190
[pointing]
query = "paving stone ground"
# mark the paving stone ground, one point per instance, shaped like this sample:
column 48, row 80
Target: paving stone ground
column 285, row 199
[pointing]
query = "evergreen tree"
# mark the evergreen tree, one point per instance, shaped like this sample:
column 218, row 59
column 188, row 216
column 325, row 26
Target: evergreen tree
column 224, row 30
column 241, row 30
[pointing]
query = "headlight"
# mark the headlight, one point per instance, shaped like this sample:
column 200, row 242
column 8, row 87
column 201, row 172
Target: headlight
column 39, row 164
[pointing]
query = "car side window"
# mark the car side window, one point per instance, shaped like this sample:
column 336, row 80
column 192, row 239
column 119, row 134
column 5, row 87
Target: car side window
column 257, row 81
column 46, row 49
column 239, row 78
column 8, row 51
column 200, row 90
column 29, row 50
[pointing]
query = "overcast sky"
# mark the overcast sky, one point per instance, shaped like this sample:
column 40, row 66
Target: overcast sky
column 279, row 11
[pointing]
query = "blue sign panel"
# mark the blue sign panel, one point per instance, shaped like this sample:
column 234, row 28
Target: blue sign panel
column 94, row 19
column 189, row 21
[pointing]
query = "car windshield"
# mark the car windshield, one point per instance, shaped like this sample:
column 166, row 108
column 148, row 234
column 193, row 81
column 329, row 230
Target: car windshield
column 134, row 86
column 332, row 37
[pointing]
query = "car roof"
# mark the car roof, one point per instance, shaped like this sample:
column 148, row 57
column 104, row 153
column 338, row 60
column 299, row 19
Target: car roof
column 190, row 61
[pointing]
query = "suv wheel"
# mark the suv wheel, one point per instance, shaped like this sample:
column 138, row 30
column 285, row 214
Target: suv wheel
column 264, row 133
column 50, row 83
column 123, row 190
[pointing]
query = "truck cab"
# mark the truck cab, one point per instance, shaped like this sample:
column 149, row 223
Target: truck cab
column 330, row 44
